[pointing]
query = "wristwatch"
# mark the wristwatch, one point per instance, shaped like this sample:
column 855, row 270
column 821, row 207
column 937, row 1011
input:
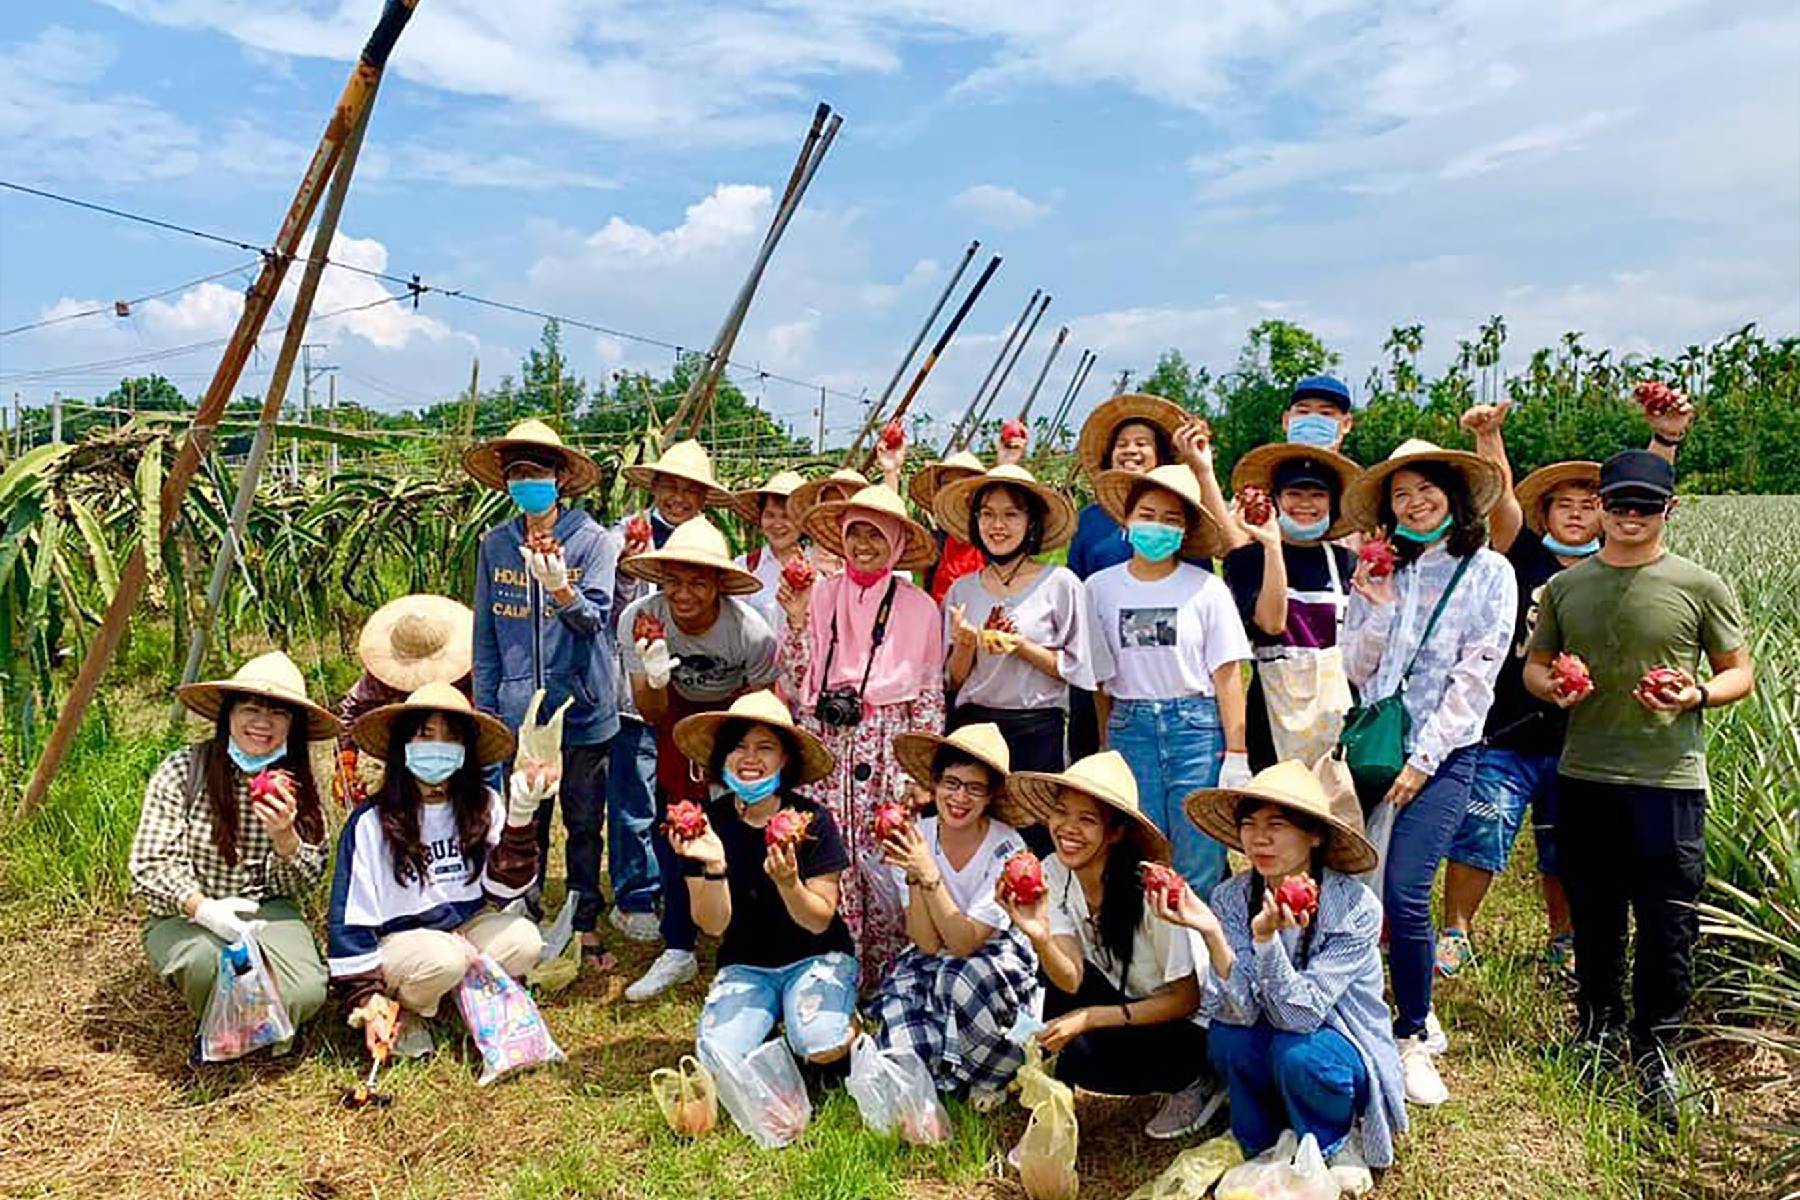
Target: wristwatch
column 1705, row 697
column 1660, row 440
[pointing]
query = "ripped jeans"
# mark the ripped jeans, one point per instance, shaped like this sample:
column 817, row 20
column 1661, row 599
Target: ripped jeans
column 815, row 998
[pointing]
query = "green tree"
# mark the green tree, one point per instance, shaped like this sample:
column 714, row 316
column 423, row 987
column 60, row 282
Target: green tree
column 1176, row 379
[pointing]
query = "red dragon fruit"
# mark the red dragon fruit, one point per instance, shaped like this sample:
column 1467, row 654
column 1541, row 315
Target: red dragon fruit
column 543, row 542
column 1298, row 894
column 686, row 821
column 1660, row 683
column 1000, row 621
column 787, row 827
column 1569, row 676
column 270, row 784
column 637, row 531
column 1163, row 880
column 893, row 435
column 1658, row 397
column 1013, row 432
column 1022, row 878
column 891, row 816
column 648, row 628
column 1255, row 505
column 1378, row 552
column 924, row 1127
column 798, row 573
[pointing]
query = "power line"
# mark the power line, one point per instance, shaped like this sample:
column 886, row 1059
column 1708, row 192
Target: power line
column 128, row 304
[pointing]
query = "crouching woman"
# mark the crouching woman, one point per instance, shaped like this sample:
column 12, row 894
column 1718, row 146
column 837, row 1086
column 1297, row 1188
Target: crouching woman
column 213, row 860
column 1299, row 1030
column 420, row 865
column 953, row 995
column 763, row 877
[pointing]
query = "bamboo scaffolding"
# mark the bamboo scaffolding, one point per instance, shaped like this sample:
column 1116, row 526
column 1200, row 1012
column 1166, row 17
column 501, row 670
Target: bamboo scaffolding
column 1062, row 335
column 974, row 426
column 974, row 401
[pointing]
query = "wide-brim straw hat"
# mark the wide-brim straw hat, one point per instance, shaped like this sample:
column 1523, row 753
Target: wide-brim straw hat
column 923, row 487
column 1535, row 487
column 1204, row 537
column 1293, row 786
column 695, row 736
column 416, row 640
column 823, row 524
column 271, row 676
column 805, row 498
column 695, row 542
column 1258, row 469
column 486, row 462
column 984, row 743
column 954, row 507
column 1106, row 777
column 1094, row 446
column 1362, row 502
column 374, row 730
column 747, row 503
column 686, row 460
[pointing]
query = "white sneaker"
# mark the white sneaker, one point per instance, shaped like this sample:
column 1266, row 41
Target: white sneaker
column 670, row 968
column 1423, row 1083
column 638, row 926
column 1347, row 1168
column 1436, row 1040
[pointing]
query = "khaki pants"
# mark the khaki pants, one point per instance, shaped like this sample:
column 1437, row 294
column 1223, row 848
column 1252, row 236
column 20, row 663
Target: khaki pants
column 188, row 957
column 420, row 965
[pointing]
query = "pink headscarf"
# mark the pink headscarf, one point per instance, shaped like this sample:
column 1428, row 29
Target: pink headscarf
column 911, row 652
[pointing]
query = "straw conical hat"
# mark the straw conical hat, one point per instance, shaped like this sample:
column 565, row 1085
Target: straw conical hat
column 271, row 676
column 955, row 504
column 747, row 502
column 485, row 462
column 1362, row 502
column 982, row 742
column 924, row 485
column 823, row 524
column 1292, row 786
column 1094, row 446
column 695, row 736
column 374, row 730
column 416, row 640
column 685, row 460
column 1107, row 778
column 803, row 498
column 1204, row 537
column 695, row 542
column 1535, row 487
column 1259, row 467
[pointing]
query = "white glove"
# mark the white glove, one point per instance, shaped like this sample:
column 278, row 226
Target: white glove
column 550, row 570
column 224, row 919
column 658, row 663
column 526, row 792
column 1235, row 772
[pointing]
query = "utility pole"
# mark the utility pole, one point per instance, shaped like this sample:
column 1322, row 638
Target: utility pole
column 331, row 463
column 307, row 371
column 819, row 442
column 55, row 417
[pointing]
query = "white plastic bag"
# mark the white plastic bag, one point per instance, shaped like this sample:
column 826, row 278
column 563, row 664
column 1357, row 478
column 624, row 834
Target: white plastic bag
column 894, row 1093
column 1379, row 831
column 762, row 1091
column 244, row 1012
column 1284, row 1172
column 540, row 746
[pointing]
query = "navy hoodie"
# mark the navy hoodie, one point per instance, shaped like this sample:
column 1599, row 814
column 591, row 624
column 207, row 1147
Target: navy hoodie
column 575, row 654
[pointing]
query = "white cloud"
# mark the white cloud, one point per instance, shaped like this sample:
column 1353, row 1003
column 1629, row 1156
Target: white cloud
column 997, row 205
column 731, row 214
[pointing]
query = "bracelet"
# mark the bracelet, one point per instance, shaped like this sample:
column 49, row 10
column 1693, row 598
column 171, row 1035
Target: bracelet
column 721, row 877
column 933, row 886
column 1705, row 697
column 1671, row 443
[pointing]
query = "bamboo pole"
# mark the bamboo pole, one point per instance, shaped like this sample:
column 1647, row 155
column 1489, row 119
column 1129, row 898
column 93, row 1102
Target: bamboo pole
column 974, row 426
column 975, row 400
column 355, row 97
column 1062, row 401
column 1062, row 335
column 1076, row 382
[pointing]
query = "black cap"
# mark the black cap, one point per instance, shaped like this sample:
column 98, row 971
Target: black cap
column 1639, row 472
column 1299, row 472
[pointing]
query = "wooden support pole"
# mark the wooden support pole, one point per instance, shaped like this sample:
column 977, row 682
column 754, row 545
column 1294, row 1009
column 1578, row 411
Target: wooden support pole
column 1062, row 335
column 974, row 427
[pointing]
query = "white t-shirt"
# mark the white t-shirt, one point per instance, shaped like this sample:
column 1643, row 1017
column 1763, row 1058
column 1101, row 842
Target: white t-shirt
column 1161, row 953
column 972, row 887
column 1162, row 639
column 767, row 569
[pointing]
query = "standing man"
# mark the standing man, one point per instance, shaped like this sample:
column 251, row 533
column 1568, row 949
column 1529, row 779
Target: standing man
column 543, row 609
column 1318, row 413
column 1631, row 823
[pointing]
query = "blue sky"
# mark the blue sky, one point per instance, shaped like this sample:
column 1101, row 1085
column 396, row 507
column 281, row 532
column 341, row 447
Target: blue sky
column 1172, row 172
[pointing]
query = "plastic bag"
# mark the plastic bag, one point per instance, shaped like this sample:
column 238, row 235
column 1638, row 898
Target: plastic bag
column 551, row 975
column 541, row 745
column 894, row 1092
column 1194, row 1171
column 1380, row 831
column 1285, row 1172
column 762, row 1091
column 504, row 1021
column 1047, row 1151
column 687, row 1096
column 244, row 1012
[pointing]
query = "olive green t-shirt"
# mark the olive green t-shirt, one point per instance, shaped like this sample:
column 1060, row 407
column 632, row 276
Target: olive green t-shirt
column 1623, row 621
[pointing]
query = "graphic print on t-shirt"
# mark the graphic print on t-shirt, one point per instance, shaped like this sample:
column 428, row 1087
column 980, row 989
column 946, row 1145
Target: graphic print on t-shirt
column 705, row 675
column 1146, row 627
column 444, row 860
column 1528, row 626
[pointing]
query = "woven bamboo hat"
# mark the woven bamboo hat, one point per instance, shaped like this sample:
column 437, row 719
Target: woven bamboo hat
column 924, row 486
column 486, row 462
column 1204, row 537
column 1259, row 468
column 1104, row 776
column 1536, row 487
column 823, row 523
column 1362, row 501
column 747, row 502
column 271, row 676
column 685, row 460
column 805, row 498
column 1292, row 786
column 984, row 743
column 1094, row 446
column 695, row 542
column 416, row 640
column 374, row 730
column 954, row 506
column 695, row 736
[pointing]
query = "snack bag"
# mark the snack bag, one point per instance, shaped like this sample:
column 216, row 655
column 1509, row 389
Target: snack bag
column 762, row 1091
column 244, row 1012
column 687, row 1096
column 505, row 1023
column 1047, row 1151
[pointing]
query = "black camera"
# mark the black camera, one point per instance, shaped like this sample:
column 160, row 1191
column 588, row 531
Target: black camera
column 840, row 708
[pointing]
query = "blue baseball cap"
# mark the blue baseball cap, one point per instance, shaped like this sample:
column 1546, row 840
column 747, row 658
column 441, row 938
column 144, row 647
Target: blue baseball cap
column 1321, row 387
column 1637, row 474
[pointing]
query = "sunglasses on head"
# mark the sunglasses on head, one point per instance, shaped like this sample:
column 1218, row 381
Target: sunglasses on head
column 1632, row 506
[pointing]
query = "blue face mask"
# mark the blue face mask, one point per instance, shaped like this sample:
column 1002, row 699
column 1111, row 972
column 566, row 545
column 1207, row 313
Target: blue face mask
column 1303, row 533
column 750, row 791
column 434, row 762
column 535, row 496
column 1426, row 538
column 1589, row 547
column 1312, row 429
column 250, row 763
column 1154, row 540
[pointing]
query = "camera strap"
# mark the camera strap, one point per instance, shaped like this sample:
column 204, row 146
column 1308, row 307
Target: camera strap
column 877, row 636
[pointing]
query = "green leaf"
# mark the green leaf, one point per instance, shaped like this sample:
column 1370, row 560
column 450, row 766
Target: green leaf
column 106, row 570
column 149, row 486
column 30, row 470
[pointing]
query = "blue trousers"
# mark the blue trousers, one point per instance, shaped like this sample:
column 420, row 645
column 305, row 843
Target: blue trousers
column 631, row 779
column 1308, row 1082
column 814, row 999
column 1422, row 834
column 1174, row 748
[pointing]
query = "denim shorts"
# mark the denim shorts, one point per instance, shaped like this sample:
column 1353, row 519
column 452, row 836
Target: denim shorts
column 814, row 999
column 1507, row 785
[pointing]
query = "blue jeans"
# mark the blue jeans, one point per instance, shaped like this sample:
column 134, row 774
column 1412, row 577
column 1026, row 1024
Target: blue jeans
column 1422, row 834
column 630, row 778
column 1507, row 784
column 814, row 999
column 1308, row 1082
column 1174, row 748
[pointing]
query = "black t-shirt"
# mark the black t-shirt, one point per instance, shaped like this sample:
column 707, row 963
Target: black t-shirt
column 1519, row 721
column 761, row 932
